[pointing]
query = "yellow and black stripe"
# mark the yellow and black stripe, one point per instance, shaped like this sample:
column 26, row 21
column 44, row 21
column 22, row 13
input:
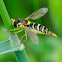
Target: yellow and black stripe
column 41, row 28
column 38, row 27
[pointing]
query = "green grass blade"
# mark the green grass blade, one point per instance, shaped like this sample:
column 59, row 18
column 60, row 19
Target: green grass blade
column 22, row 56
column 15, row 42
column 5, row 47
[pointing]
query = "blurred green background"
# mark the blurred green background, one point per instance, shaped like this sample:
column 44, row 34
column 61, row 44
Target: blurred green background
column 49, row 48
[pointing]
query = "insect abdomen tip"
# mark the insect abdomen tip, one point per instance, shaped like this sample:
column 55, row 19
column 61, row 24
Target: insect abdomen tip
column 54, row 34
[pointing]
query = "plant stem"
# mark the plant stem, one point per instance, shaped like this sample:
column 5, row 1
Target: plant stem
column 22, row 56
column 4, row 15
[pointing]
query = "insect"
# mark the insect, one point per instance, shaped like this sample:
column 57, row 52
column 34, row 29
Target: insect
column 32, row 29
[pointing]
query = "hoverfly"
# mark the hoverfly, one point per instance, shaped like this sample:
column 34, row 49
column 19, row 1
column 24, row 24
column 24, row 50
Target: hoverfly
column 32, row 29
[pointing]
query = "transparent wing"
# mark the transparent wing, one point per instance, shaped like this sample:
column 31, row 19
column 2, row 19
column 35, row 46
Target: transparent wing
column 33, row 36
column 37, row 14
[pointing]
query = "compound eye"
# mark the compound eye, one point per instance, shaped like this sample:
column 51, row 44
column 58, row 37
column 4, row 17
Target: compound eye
column 17, row 19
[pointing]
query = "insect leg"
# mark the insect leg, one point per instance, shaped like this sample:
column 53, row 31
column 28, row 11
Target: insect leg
column 18, row 31
column 22, row 37
column 26, row 35
column 22, row 41
column 14, row 29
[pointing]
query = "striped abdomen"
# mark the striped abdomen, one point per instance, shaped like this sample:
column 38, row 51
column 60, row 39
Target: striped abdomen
column 38, row 27
column 41, row 29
